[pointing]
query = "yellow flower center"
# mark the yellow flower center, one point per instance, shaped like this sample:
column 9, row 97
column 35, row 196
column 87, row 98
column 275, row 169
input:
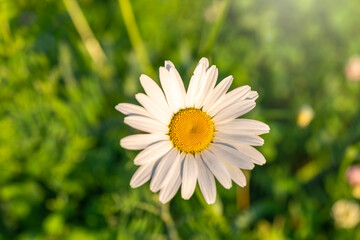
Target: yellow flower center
column 191, row 130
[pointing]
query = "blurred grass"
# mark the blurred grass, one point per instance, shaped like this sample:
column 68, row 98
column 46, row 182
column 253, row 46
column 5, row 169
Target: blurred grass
column 64, row 65
column 135, row 38
column 87, row 36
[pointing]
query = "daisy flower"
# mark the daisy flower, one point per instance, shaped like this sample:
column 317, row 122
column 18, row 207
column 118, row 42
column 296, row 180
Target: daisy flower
column 192, row 136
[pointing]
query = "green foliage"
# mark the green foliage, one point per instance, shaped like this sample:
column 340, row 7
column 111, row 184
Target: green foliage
column 63, row 174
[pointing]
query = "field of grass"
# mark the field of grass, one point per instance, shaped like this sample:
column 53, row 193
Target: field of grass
column 64, row 65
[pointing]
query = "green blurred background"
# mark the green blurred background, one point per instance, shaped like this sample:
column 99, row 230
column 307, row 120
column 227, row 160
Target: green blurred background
column 65, row 64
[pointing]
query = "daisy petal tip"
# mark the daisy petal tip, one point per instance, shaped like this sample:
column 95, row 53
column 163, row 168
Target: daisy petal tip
column 204, row 61
column 186, row 197
column 139, row 97
column 119, row 107
column 121, row 142
column 168, row 65
column 132, row 184
column 139, row 94
column 137, row 180
column 228, row 186
column 137, row 160
column 252, row 95
column 143, row 76
column 259, row 162
column 164, row 201
column 154, row 187
column 262, row 161
column 154, row 190
column 186, row 193
column 126, row 143
column 144, row 79
column 229, row 78
column 212, row 68
column 210, row 201
column 266, row 128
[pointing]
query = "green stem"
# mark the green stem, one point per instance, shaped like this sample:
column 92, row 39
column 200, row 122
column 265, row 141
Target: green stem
column 215, row 30
column 87, row 36
column 208, row 41
column 135, row 38
column 169, row 222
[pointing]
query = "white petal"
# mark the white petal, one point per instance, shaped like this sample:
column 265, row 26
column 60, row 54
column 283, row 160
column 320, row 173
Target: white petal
column 229, row 138
column 153, row 152
column 189, row 177
column 146, row 124
column 165, row 167
column 169, row 191
column 141, row 141
column 236, row 174
column 206, row 181
column 204, row 61
column 173, row 71
column 180, row 89
column 154, row 92
column 156, row 110
column 243, row 126
column 131, row 109
column 239, row 93
column 207, row 83
column 240, row 131
column 253, row 153
column 217, row 168
column 143, row 174
column 217, row 93
column 231, row 155
column 236, row 110
column 229, row 99
column 172, row 181
column 252, row 95
column 172, row 90
column 194, row 84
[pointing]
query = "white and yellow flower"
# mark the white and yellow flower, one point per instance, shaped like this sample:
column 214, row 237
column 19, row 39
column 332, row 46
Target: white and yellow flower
column 192, row 136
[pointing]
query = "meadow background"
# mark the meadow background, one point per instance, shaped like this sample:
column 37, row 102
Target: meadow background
column 65, row 64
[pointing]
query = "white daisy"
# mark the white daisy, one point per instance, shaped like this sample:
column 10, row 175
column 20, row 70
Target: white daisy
column 192, row 136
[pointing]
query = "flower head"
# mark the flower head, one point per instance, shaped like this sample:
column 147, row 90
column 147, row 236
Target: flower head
column 305, row 116
column 353, row 175
column 346, row 213
column 192, row 136
column 352, row 68
column 353, row 178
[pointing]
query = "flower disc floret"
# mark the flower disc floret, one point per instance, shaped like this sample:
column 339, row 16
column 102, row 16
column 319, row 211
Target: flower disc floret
column 191, row 130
